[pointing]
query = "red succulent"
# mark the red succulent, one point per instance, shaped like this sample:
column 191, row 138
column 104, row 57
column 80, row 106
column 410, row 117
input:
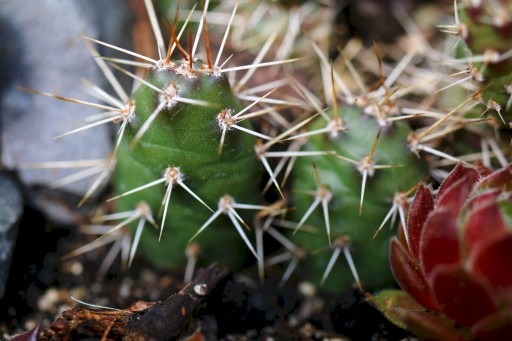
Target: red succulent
column 455, row 256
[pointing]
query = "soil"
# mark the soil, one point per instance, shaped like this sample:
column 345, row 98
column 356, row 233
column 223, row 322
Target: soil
column 235, row 307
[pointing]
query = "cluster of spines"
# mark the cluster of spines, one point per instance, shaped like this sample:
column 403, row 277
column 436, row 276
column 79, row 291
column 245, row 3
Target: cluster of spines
column 485, row 27
column 379, row 102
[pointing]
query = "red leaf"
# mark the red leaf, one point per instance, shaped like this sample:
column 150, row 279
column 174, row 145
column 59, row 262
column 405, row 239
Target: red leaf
column 408, row 274
column 462, row 297
column 455, row 196
column 460, row 171
column 492, row 261
column 31, row 335
column 439, row 242
column 433, row 327
column 483, row 223
column 421, row 207
column 482, row 169
column 483, row 199
column 501, row 179
column 495, row 327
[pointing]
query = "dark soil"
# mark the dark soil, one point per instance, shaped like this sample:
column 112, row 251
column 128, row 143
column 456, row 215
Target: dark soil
column 40, row 286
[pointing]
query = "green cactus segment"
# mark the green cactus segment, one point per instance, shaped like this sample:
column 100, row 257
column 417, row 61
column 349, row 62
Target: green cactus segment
column 344, row 181
column 485, row 33
column 187, row 136
column 506, row 211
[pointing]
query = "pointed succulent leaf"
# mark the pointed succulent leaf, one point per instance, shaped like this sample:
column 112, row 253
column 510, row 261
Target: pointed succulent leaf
column 501, row 179
column 492, row 261
column 483, row 199
column 431, row 326
column 483, row 223
column 439, row 241
column 409, row 275
column 455, row 196
column 494, row 327
column 421, row 207
column 461, row 296
column 460, row 171
column 388, row 301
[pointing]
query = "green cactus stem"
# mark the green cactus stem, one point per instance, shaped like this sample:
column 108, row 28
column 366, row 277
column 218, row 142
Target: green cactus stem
column 486, row 27
column 181, row 145
column 344, row 180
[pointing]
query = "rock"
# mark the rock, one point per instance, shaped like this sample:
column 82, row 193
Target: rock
column 11, row 208
column 42, row 49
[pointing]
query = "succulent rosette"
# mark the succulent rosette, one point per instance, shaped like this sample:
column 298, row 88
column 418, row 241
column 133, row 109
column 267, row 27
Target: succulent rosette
column 455, row 258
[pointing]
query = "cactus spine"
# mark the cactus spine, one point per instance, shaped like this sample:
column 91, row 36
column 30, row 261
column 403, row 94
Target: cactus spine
column 486, row 28
column 188, row 152
column 345, row 178
column 181, row 146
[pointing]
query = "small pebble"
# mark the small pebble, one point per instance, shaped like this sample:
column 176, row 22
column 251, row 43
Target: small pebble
column 200, row 289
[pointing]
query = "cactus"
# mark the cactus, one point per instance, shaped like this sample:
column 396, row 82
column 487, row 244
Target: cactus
column 180, row 146
column 188, row 161
column 349, row 216
column 485, row 27
column 465, row 289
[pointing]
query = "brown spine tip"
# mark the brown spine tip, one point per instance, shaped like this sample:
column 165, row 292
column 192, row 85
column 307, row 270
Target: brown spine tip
column 206, row 39
column 190, row 44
